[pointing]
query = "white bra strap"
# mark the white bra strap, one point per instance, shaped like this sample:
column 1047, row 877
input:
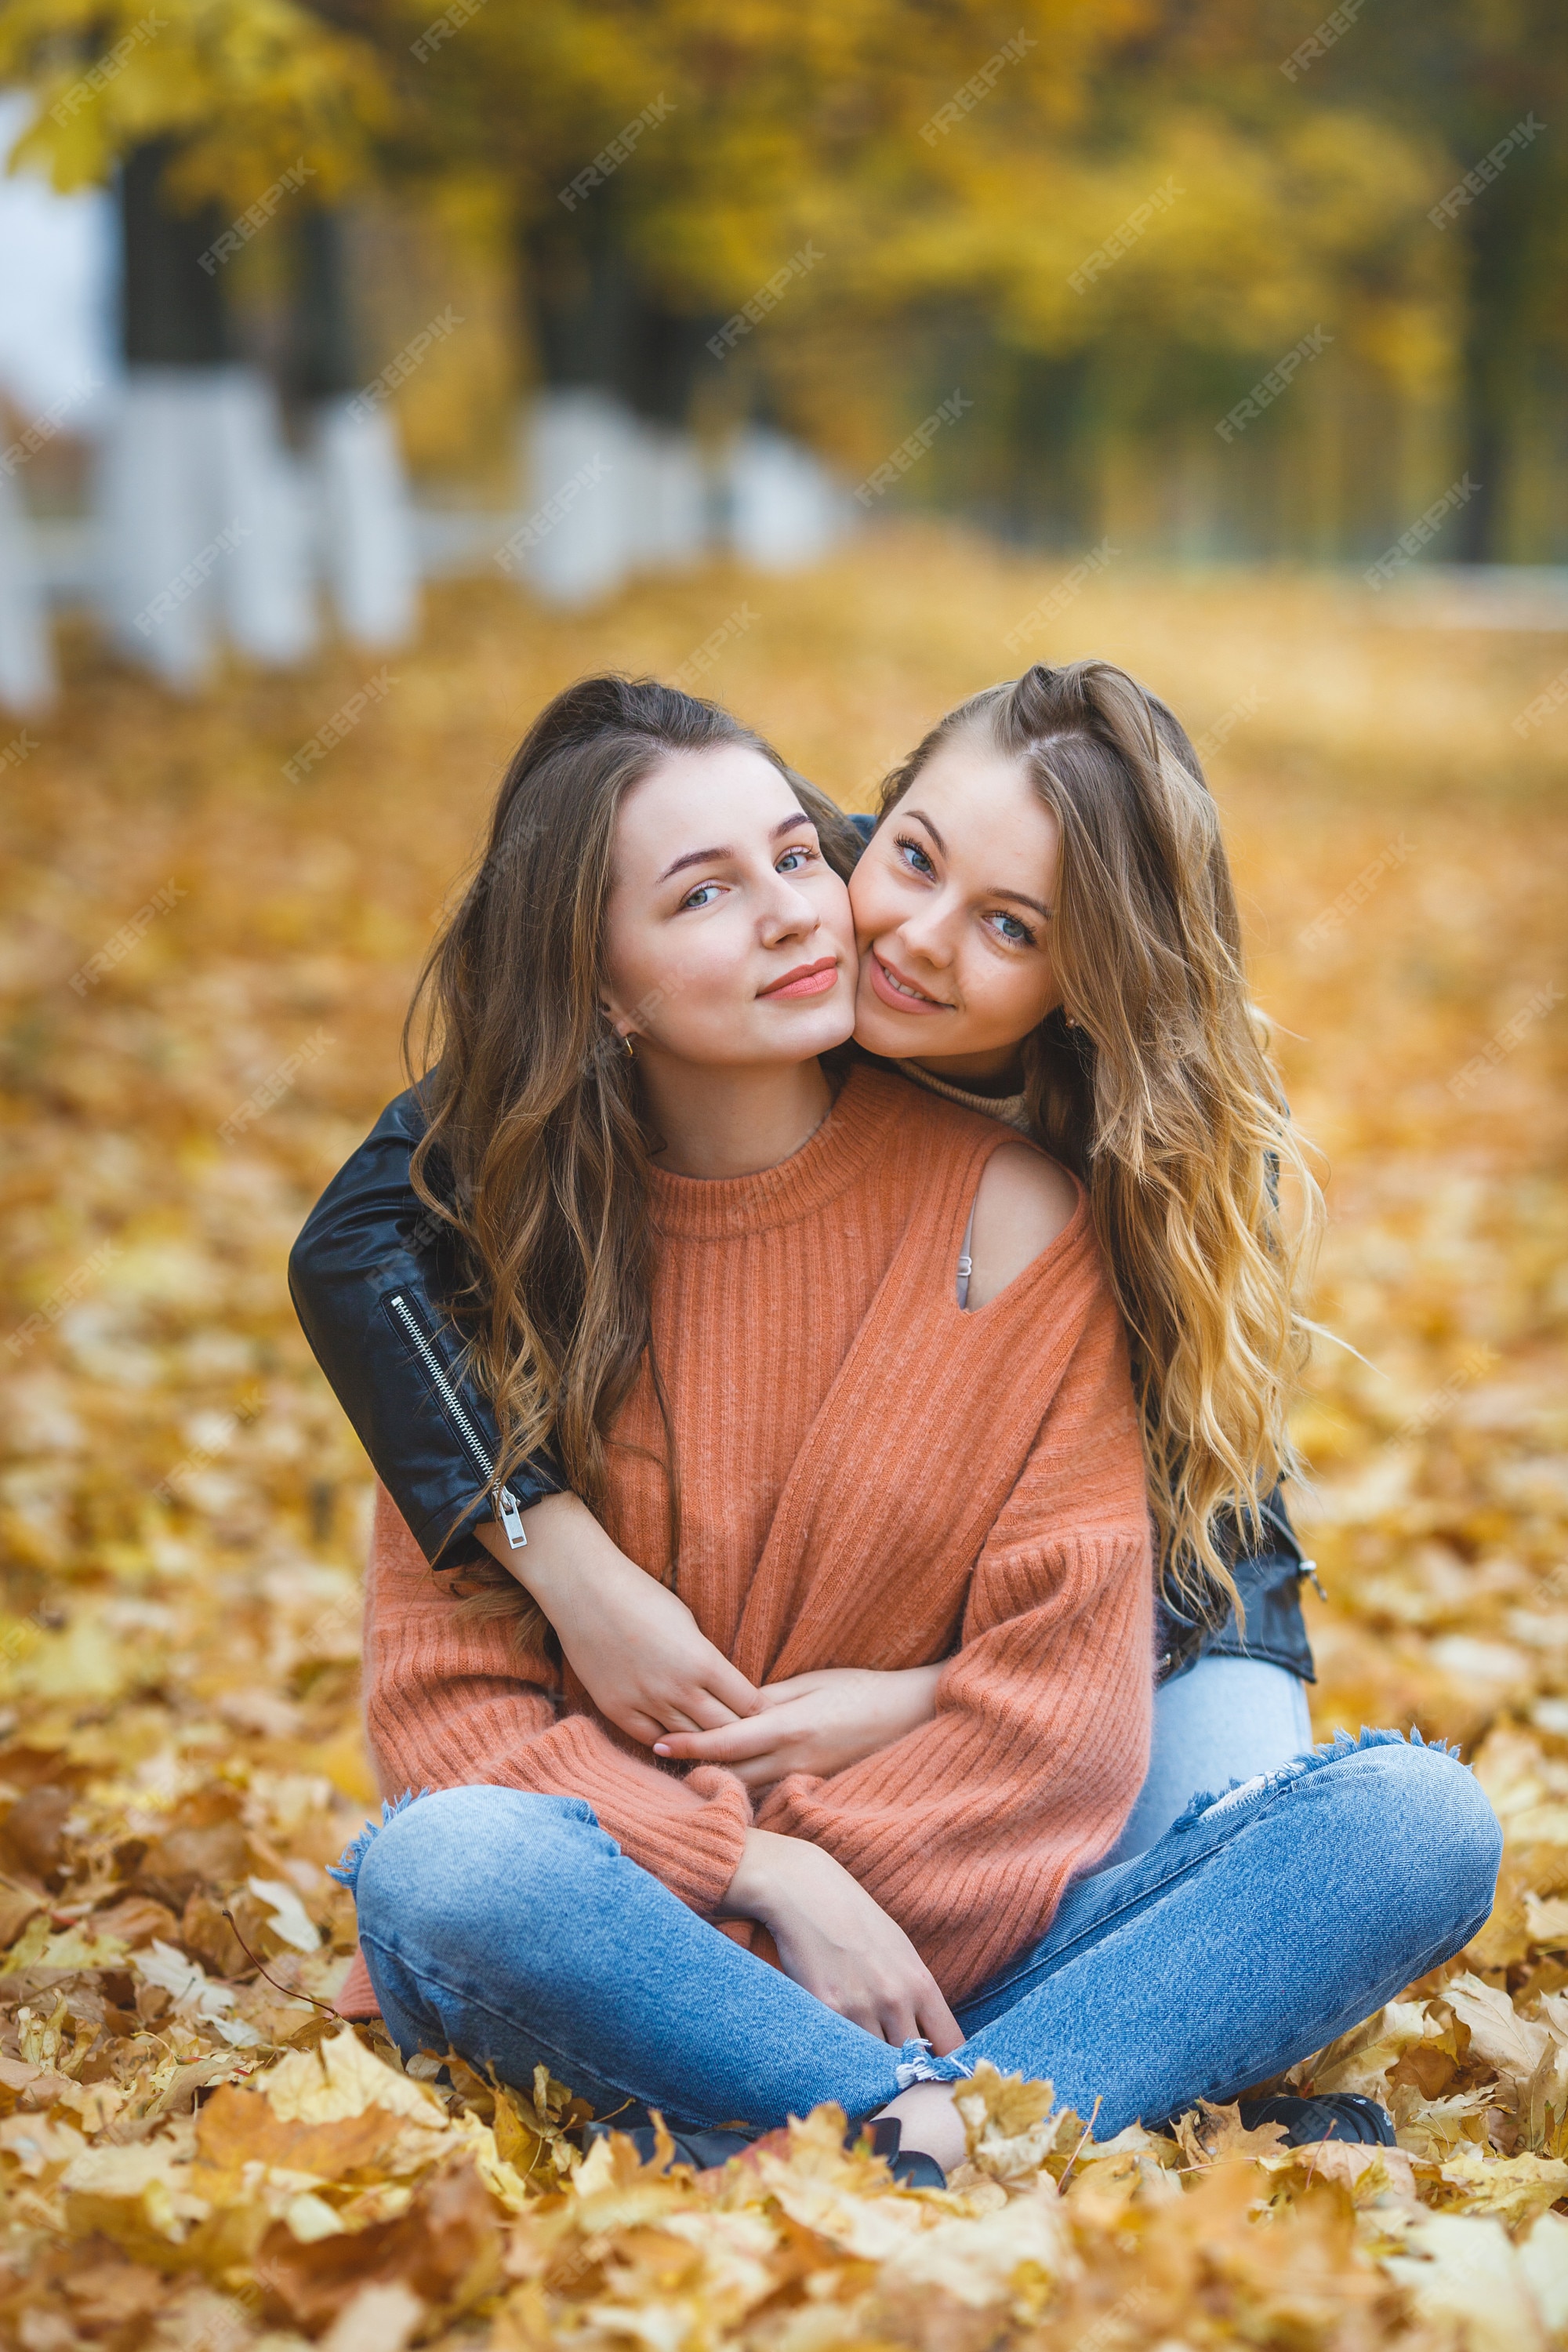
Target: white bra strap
column 965, row 1262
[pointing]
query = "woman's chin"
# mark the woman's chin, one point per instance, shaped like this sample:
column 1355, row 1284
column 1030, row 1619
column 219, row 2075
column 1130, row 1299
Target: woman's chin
column 894, row 1037
column 809, row 1031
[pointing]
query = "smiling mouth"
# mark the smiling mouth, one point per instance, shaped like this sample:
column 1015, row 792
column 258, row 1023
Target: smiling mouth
column 806, row 979
column 895, row 990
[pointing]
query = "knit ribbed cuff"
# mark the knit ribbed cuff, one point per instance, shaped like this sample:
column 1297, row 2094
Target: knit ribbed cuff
column 692, row 1839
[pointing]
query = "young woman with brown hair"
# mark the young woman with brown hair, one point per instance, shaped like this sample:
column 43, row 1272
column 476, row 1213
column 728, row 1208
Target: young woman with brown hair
column 729, row 1299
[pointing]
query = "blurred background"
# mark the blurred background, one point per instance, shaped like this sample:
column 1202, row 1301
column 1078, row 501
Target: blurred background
column 373, row 291
column 367, row 372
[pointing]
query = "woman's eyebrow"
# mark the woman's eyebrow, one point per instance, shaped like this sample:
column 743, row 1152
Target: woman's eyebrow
column 921, row 818
column 1021, row 898
column 695, row 858
column 703, row 856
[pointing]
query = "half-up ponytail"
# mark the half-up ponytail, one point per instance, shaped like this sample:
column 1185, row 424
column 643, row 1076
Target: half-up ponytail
column 1162, row 1095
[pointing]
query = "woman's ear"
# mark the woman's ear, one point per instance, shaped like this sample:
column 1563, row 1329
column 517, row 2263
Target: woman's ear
column 616, row 1019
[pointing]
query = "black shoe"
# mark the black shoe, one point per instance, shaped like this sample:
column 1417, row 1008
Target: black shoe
column 911, row 2166
column 706, row 2149
column 1344, row 2116
column 701, row 2149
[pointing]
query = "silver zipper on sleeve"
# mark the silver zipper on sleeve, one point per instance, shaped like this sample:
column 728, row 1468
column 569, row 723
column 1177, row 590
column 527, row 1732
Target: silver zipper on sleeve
column 503, row 1497
column 1304, row 1567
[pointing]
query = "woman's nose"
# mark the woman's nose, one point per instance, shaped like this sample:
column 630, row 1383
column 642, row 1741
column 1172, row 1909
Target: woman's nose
column 790, row 910
column 925, row 934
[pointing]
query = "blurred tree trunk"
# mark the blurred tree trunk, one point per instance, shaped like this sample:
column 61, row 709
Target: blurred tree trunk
column 364, row 516
column 174, row 313
column 202, row 525
column 1498, row 349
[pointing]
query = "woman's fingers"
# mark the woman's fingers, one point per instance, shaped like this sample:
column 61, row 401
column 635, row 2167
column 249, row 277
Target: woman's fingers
column 698, row 1711
column 794, row 1687
column 896, row 2022
column 722, row 1698
column 637, row 1725
column 731, row 1743
column 712, row 1705
column 937, row 2025
column 917, row 2012
column 728, row 1687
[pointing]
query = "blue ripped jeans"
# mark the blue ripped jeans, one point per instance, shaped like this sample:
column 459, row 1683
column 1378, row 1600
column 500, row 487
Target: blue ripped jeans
column 510, row 1927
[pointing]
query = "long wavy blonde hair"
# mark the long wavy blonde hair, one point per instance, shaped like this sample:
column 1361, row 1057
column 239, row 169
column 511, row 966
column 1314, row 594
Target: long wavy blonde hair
column 1162, row 1095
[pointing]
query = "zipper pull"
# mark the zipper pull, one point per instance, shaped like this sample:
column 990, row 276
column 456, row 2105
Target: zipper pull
column 1309, row 1567
column 511, row 1518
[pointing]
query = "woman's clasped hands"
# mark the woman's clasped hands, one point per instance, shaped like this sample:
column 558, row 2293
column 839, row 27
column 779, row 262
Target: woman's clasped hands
column 647, row 1665
column 818, row 1723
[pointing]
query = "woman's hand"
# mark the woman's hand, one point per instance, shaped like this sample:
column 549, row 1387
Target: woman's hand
column 837, row 1942
column 636, row 1649
column 816, row 1723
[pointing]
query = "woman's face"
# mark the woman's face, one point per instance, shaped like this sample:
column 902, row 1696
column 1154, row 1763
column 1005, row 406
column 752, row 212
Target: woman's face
column 729, row 939
column 952, row 904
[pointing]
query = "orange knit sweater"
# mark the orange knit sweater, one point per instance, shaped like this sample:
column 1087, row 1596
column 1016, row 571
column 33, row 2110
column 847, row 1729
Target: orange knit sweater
column 870, row 1476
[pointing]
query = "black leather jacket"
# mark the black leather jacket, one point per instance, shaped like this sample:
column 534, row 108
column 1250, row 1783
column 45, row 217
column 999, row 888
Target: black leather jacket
column 371, row 1276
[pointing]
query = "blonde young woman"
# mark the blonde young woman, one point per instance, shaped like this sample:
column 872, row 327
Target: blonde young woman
column 1048, row 935
column 841, row 1359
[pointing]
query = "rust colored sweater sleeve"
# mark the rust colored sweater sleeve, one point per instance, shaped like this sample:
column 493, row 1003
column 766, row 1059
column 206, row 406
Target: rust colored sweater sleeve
column 967, row 1830
column 453, row 1698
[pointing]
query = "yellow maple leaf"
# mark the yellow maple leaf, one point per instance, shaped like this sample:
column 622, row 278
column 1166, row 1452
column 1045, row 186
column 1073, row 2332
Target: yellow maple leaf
column 1009, row 2128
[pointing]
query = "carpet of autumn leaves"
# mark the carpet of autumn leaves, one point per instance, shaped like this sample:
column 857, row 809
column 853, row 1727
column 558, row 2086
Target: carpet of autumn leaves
column 194, row 2156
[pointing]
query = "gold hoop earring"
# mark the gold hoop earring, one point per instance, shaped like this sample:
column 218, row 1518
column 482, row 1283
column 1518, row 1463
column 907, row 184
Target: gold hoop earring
column 631, row 1049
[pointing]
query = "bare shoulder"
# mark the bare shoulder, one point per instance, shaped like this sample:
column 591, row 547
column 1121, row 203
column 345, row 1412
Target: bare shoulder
column 1024, row 1202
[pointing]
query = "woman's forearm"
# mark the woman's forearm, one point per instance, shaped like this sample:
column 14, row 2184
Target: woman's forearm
column 636, row 1648
column 754, row 1891
column 565, row 1546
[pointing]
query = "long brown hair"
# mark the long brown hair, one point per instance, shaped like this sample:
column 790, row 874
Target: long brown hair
column 1162, row 1096
column 532, row 1103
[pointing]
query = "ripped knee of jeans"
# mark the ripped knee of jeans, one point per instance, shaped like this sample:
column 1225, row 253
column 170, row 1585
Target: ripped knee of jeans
column 347, row 1867
column 1207, row 1805
column 918, row 2064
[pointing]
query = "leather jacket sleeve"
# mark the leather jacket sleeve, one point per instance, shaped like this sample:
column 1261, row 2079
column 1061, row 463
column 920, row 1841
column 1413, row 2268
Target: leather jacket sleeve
column 1268, row 1576
column 370, row 1276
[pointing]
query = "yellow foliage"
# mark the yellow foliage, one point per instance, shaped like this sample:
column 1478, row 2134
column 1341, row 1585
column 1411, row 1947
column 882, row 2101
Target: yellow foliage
column 249, row 89
column 193, row 2154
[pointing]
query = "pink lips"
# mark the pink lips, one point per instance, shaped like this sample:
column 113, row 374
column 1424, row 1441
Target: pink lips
column 882, row 979
column 806, row 979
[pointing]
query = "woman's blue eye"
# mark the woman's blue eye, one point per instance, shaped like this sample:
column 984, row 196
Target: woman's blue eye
column 801, row 857
column 915, row 856
column 698, row 898
column 1016, row 934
